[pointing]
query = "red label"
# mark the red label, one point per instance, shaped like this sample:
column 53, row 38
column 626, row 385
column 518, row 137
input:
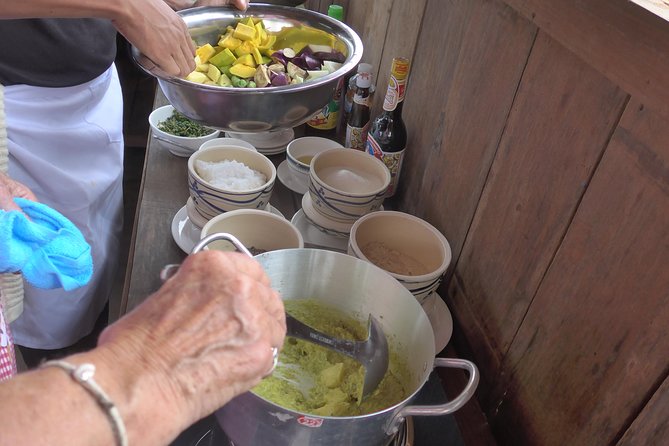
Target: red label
column 373, row 148
column 309, row 421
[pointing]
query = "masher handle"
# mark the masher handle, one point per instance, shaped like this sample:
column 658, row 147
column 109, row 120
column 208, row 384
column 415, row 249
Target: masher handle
column 300, row 330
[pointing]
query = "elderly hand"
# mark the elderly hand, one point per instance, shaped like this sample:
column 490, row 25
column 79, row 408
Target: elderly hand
column 10, row 189
column 206, row 335
column 160, row 34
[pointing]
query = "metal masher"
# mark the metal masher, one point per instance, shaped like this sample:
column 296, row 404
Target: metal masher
column 372, row 352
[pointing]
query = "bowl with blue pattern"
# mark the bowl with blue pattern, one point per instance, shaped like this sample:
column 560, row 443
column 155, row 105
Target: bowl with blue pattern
column 226, row 178
column 345, row 184
column 407, row 247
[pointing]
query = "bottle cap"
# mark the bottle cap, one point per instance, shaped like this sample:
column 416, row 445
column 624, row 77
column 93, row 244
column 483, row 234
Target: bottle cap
column 336, row 12
column 365, row 68
column 364, row 80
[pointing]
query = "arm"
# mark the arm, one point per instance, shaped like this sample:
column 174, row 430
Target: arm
column 151, row 25
column 203, row 338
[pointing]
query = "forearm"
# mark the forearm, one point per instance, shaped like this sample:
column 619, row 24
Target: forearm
column 209, row 334
column 113, row 10
column 47, row 406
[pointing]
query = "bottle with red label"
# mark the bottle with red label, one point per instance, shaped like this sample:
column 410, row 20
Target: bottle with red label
column 387, row 136
column 358, row 121
column 348, row 94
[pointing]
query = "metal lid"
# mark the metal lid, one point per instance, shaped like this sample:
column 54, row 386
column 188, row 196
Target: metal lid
column 365, row 67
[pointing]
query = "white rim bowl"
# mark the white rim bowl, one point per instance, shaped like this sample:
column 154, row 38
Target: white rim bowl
column 227, row 142
column 255, row 229
column 178, row 145
column 210, row 200
column 306, row 146
column 412, row 237
column 346, row 184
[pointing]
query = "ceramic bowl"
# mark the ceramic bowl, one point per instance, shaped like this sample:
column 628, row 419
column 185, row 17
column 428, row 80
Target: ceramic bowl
column 257, row 230
column 177, row 145
column 410, row 249
column 301, row 151
column 346, row 184
column 226, row 142
column 211, row 200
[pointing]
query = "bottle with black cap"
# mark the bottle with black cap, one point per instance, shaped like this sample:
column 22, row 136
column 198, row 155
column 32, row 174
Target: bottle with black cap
column 387, row 137
column 358, row 120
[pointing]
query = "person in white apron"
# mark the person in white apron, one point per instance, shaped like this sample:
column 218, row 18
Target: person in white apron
column 67, row 144
column 64, row 108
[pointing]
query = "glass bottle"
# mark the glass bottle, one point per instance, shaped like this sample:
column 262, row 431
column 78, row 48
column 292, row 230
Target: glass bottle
column 324, row 123
column 387, row 137
column 349, row 92
column 358, row 120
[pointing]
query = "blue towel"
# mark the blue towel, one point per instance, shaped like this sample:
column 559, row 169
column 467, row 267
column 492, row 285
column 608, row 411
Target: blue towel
column 48, row 248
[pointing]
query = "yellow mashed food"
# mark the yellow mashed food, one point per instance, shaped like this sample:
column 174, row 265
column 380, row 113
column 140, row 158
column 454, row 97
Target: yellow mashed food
column 318, row 381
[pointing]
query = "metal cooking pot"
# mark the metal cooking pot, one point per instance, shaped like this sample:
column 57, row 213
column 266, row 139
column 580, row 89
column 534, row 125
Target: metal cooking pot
column 358, row 288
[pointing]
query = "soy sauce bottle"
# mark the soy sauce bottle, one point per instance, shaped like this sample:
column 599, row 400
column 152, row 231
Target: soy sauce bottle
column 349, row 92
column 387, row 137
column 358, row 121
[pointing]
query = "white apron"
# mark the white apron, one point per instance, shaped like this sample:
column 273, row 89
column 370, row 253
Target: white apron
column 66, row 144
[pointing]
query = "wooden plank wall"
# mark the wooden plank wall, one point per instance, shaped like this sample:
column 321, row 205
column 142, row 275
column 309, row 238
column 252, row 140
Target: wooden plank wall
column 538, row 146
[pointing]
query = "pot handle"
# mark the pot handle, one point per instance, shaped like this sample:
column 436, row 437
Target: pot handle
column 169, row 270
column 445, row 408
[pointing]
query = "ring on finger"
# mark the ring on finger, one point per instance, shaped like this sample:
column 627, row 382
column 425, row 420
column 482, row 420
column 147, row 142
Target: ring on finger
column 275, row 360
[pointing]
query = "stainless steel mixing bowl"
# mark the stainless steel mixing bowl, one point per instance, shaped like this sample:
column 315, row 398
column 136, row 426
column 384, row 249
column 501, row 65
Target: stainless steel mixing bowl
column 253, row 109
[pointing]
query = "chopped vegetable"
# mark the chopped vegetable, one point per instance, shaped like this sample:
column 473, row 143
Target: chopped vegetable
column 279, row 80
column 315, row 74
column 249, row 55
column 224, row 80
column 205, row 52
column 277, row 68
column 293, row 70
column 223, row 58
column 242, row 71
column 197, row 76
column 261, row 76
column 179, row 125
column 244, row 32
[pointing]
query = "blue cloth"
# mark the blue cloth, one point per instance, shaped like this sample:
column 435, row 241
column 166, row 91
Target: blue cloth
column 48, row 248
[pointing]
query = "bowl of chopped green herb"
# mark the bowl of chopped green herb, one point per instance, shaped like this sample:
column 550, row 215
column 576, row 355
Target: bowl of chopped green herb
column 177, row 133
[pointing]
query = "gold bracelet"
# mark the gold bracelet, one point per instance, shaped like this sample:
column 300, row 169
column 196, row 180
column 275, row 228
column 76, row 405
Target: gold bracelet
column 83, row 375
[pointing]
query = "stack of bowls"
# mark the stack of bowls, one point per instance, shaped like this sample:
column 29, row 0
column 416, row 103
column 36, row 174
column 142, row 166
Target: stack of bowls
column 267, row 143
column 209, row 200
column 344, row 185
column 294, row 171
column 407, row 247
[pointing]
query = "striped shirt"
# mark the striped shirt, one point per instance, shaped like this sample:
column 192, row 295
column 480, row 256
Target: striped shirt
column 7, row 356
